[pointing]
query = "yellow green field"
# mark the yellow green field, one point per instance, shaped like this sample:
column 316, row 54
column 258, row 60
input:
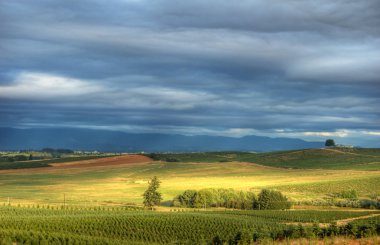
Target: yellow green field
column 123, row 183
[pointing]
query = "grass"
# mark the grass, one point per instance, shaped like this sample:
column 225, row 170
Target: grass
column 19, row 165
column 115, row 184
column 363, row 186
column 45, row 162
column 331, row 158
column 125, row 184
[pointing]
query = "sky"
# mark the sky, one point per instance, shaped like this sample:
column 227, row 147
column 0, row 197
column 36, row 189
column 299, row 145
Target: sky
column 306, row 69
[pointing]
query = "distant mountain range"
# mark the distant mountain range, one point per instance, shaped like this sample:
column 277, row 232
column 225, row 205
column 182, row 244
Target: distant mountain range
column 115, row 141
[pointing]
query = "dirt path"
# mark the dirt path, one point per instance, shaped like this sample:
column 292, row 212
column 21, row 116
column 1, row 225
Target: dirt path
column 345, row 221
column 340, row 222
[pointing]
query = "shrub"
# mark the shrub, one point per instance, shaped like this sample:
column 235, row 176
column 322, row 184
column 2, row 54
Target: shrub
column 171, row 159
column 348, row 194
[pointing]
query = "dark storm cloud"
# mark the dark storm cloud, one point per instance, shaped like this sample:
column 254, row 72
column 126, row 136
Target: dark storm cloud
column 271, row 16
column 296, row 68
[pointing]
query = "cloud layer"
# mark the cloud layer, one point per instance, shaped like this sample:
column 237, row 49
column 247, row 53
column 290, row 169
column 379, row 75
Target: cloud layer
column 280, row 68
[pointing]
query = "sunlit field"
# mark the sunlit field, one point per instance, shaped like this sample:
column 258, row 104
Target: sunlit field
column 123, row 182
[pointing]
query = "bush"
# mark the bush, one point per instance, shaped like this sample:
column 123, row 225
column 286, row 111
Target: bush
column 171, row 159
column 20, row 158
column 348, row 194
column 154, row 156
column 361, row 203
column 372, row 204
column 59, row 151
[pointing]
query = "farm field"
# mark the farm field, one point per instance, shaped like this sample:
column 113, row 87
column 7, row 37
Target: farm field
column 10, row 160
column 47, row 225
column 99, row 200
column 121, row 180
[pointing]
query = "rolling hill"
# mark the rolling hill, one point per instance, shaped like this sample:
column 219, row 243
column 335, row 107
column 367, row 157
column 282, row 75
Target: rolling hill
column 322, row 158
column 302, row 175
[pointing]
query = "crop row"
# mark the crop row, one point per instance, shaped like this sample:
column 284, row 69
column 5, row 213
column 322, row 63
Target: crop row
column 117, row 226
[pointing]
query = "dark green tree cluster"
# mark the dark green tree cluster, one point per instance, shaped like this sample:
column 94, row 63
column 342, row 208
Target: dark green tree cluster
column 230, row 198
column 205, row 198
column 62, row 151
column 151, row 196
column 268, row 199
column 13, row 158
column 154, row 156
column 162, row 157
column 330, row 143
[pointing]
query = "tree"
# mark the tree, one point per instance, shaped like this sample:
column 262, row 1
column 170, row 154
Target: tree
column 151, row 196
column 187, row 198
column 264, row 199
column 202, row 198
column 329, row 142
column 268, row 199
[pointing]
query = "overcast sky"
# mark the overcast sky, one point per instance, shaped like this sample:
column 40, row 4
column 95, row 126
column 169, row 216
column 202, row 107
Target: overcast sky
column 290, row 68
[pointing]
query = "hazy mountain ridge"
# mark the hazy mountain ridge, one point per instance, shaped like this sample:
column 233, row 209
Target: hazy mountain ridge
column 104, row 140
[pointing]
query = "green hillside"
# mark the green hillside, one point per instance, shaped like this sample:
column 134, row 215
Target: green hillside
column 330, row 158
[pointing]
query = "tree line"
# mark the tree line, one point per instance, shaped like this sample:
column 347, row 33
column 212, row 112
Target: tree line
column 229, row 198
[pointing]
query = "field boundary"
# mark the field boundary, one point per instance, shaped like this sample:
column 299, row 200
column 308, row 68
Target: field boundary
column 340, row 222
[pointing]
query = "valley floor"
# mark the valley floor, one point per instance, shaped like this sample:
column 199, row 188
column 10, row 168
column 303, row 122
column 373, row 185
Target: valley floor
column 99, row 201
column 121, row 180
